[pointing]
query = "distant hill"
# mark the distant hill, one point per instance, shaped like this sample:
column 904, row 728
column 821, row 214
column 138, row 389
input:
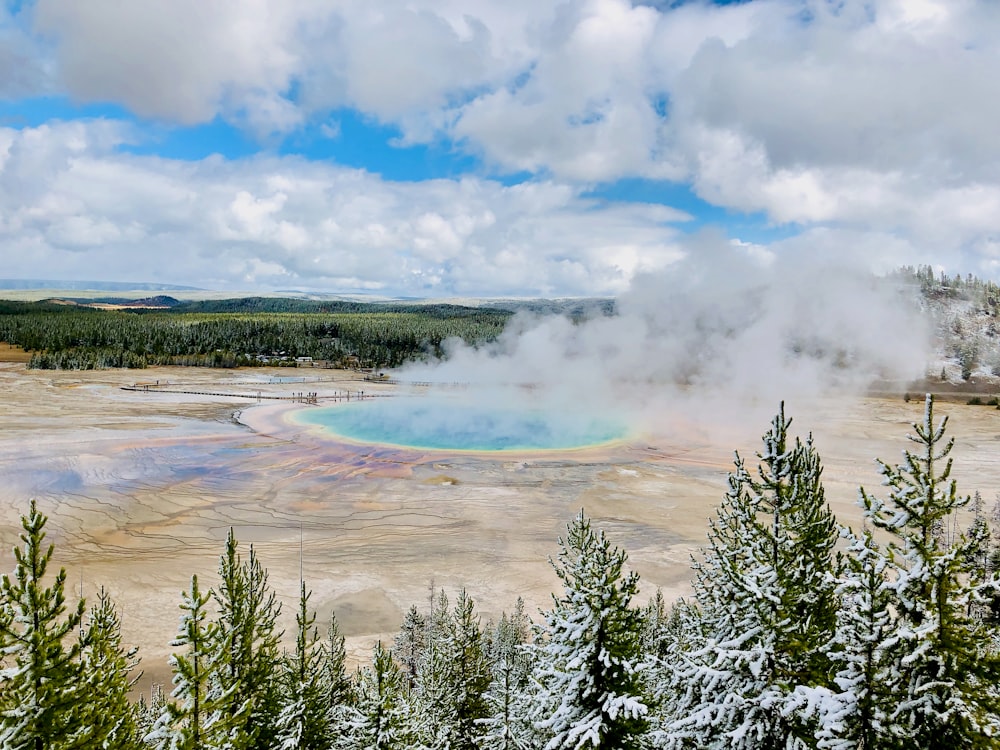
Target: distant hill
column 159, row 302
column 99, row 286
column 964, row 314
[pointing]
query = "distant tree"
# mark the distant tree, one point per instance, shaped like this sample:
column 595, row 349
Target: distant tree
column 590, row 689
column 40, row 690
column 434, row 694
column 149, row 712
column 470, row 675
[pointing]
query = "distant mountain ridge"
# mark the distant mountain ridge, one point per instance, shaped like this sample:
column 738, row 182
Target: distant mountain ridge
column 98, row 286
column 160, row 301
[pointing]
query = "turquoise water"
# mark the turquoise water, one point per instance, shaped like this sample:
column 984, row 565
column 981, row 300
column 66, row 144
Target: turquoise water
column 447, row 425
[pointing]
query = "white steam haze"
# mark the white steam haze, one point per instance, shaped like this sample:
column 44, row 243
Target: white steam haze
column 722, row 333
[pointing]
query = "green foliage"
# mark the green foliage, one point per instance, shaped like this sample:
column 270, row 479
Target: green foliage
column 591, row 691
column 336, row 682
column 245, row 641
column 409, row 645
column 452, row 675
column 217, row 335
column 42, row 703
column 766, row 605
column 106, row 669
column 189, row 721
column 304, row 721
column 945, row 666
column 506, row 727
column 380, row 719
column 864, row 707
column 892, row 644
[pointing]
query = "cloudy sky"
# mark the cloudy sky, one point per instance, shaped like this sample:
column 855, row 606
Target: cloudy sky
column 491, row 147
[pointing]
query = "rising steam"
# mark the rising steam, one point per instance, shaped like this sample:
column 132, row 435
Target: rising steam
column 722, row 331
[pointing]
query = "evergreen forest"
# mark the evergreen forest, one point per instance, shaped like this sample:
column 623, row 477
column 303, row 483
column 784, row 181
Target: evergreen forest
column 800, row 633
column 234, row 333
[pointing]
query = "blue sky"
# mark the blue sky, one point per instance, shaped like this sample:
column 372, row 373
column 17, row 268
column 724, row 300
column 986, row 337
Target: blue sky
column 478, row 148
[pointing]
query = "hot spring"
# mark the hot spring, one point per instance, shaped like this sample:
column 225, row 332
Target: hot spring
column 461, row 425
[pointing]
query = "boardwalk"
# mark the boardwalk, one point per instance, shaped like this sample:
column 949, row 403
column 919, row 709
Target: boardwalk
column 311, row 397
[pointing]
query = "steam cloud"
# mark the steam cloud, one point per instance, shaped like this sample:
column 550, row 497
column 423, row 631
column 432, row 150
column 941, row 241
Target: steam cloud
column 722, row 335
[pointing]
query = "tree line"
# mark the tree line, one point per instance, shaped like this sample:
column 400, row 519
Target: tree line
column 800, row 633
column 64, row 337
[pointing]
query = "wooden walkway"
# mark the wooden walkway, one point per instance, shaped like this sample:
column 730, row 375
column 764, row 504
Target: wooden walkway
column 301, row 398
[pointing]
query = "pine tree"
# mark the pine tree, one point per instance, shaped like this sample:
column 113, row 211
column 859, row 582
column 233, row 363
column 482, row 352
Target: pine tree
column 855, row 712
column 336, row 683
column 434, row 692
column 106, row 668
column 506, row 727
column 245, row 641
column 977, row 554
column 409, row 644
column 656, row 625
column 304, row 722
column 944, row 666
column 150, row 712
column 470, row 675
column 766, row 597
column 191, row 720
column 379, row 720
column 590, row 688
column 40, row 700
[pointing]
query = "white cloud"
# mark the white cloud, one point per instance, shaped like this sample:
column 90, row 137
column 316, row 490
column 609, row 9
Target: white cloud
column 182, row 61
column 283, row 221
column 860, row 115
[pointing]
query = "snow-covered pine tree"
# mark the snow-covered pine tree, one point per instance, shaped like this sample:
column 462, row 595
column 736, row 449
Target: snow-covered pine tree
column 245, row 641
column 149, row 711
column 977, row 551
column 590, row 691
column 409, row 644
column 766, row 600
column 379, row 718
column 191, row 720
column 41, row 705
column 507, row 698
column 667, row 640
column 336, row 683
column 434, row 694
column 655, row 625
column 854, row 713
column 944, row 667
column 304, row 722
column 106, row 673
column 452, row 675
column 470, row 674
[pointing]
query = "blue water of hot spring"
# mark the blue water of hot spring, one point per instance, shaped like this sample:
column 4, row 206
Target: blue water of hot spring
column 443, row 424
